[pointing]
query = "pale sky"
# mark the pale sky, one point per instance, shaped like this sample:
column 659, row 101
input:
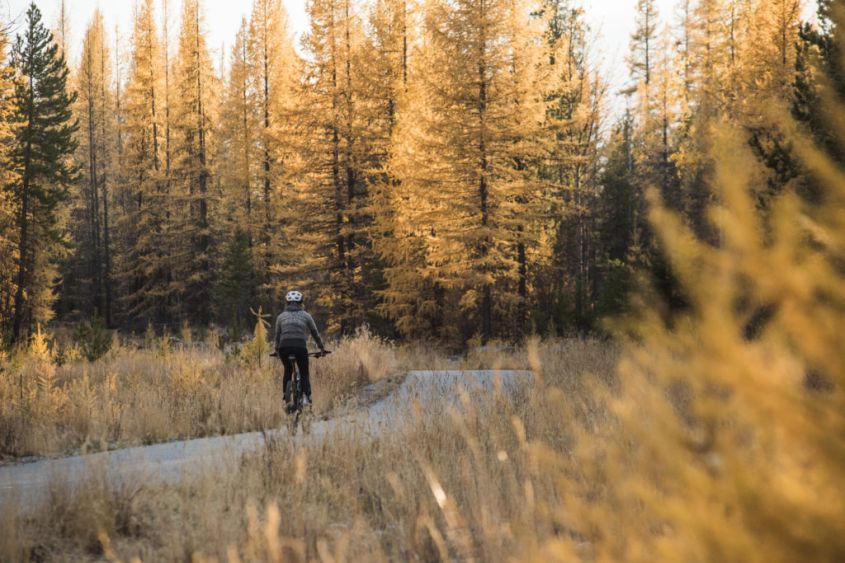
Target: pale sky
column 612, row 21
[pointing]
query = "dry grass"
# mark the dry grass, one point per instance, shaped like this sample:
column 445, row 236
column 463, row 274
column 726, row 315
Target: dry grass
column 444, row 486
column 162, row 391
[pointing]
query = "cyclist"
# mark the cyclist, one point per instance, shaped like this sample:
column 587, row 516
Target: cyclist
column 293, row 326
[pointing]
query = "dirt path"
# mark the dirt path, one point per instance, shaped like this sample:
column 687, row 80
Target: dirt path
column 27, row 484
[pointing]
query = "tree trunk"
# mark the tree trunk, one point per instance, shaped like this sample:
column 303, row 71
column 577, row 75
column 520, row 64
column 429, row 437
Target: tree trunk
column 23, row 251
column 204, row 241
column 23, row 241
column 93, row 196
column 107, row 282
column 247, row 167
column 268, row 215
column 349, row 169
column 483, row 190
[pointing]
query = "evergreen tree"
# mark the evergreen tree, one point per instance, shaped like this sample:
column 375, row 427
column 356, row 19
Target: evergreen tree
column 619, row 197
column 706, row 95
column 646, row 128
column 43, row 143
column 818, row 72
column 236, row 286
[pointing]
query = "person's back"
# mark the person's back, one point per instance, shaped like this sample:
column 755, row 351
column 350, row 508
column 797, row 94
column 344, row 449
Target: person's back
column 293, row 326
column 290, row 340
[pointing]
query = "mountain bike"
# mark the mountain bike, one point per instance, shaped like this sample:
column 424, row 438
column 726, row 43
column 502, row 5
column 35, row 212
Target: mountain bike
column 296, row 411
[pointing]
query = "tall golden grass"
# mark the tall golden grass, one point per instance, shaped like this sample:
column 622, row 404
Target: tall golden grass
column 161, row 391
column 444, row 485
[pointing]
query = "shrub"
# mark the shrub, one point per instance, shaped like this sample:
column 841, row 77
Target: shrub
column 93, row 339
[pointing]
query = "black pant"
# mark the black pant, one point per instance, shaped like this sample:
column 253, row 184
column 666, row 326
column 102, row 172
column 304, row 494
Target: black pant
column 301, row 357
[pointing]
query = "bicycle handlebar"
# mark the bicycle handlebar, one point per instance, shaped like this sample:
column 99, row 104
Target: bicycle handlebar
column 314, row 354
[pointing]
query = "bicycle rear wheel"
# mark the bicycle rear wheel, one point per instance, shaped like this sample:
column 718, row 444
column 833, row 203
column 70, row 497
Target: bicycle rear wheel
column 296, row 401
column 293, row 421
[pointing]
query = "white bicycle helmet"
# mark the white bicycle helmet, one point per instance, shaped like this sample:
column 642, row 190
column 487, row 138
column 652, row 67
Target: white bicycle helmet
column 293, row 297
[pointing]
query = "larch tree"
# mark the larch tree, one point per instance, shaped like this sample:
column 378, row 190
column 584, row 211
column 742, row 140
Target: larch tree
column 683, row 43
column 145, row 286
column 167, row 89
column 44, row 130
column 772, row 46
column 669, row 108
column 274, row 73
column 573, row 121
column 709, row 60
column 168, row 239
column 196, row 86
column 8, row 177
column 471, row 167
column 770, row 74
column 413, row 299
column 93, row 197
column 394, row 99
column 61, row 32
column 332, row 193
column 238, row 124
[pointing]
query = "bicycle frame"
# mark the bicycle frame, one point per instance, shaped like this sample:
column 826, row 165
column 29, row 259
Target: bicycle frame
column 296, row 408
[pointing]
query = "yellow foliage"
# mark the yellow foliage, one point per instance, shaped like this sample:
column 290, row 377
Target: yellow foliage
column 731, row 436
column 258, row 348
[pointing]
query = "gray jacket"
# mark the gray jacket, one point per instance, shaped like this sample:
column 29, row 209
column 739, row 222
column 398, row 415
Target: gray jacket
column 293, row 327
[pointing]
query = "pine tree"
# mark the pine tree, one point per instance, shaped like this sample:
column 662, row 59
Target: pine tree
column 646, row 130
column 44, row 141
column 235, row 289
column 619, row 197
column 819, row 73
